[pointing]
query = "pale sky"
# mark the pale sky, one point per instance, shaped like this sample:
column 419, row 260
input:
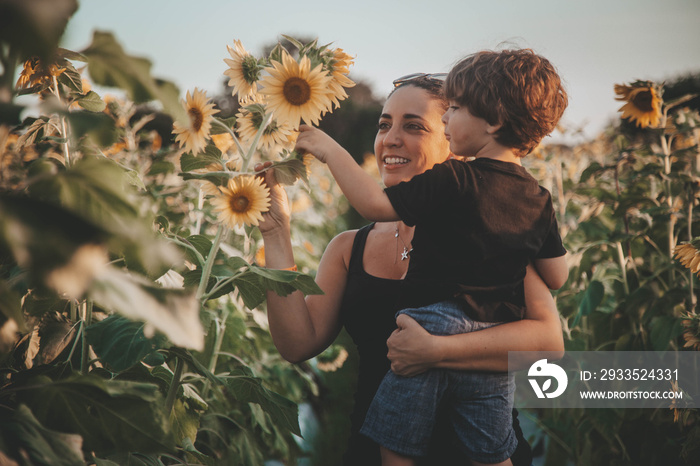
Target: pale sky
column 594, row 43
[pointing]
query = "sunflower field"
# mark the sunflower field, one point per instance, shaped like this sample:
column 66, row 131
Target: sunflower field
column 132, row 275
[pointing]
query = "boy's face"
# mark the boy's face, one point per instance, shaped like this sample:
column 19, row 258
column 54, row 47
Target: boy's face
column 469, row 135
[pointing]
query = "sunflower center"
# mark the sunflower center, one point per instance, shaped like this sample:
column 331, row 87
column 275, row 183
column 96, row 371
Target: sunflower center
column 297, row 91
column 196, row 118
column 643, row 100
column 250, row 69
column 239, row 204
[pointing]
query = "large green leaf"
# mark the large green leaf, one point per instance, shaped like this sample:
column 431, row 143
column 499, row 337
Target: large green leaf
column 254, row 283
column 210, row 156
column 44, row 238
column 11, row 306
column 173, row 312
column 663, row 330
column 101, row 192
column 34, row 27
column 243, row 387
column 592, row 298
column 110, row 415
column 21, row 432
column 120, row 342
column 109, row 65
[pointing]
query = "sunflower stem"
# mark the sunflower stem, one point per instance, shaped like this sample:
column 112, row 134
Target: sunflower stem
column 174, row 385
column 64, row 127
column 251, row 151
column 87, row 320
column 623, row 266
column 693, row 299
column 233, row 135
column 220, row 325
column 206, row 270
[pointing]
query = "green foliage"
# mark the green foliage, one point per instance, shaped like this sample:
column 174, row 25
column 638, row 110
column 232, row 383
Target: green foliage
column 630, row 198
column 112, row 268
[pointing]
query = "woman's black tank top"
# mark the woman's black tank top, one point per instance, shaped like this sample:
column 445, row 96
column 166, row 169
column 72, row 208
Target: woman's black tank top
column 367, row 311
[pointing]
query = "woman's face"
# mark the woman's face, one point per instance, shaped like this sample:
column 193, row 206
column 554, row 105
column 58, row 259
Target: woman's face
column 410, row 138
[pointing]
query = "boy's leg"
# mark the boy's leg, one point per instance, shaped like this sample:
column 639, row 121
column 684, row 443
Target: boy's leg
column 480, row 402
column 390, row 458
column 402, row 414
column 502, row 463
column 482, row 415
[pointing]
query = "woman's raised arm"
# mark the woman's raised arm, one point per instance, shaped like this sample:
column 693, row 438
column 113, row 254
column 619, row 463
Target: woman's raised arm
column 302, row 328
column 413, row 350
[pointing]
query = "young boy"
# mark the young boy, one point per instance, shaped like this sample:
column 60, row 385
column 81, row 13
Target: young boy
column 478, row 224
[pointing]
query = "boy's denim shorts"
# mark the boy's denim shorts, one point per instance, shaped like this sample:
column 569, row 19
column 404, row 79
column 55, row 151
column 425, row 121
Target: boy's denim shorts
column 402, row 415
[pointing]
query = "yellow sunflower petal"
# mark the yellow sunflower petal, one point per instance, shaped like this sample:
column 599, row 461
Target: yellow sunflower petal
column 242, row 201
column 276, row 135
column 243, row 72
column 295, row 92
column 193, row 135
column 643, row 104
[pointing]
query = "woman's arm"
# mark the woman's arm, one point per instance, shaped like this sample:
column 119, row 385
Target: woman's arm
column 302, row 328
column 413, row 350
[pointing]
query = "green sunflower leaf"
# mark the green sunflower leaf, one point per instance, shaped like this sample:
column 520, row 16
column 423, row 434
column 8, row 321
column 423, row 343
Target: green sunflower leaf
column 22, row 435
column 120, row 343
column 110, row 415
column 92, row 102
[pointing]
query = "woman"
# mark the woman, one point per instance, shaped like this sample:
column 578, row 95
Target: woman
column 361, row 271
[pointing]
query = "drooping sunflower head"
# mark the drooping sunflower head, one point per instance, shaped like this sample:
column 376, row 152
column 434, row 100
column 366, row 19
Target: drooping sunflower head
column 688, row 255
column 331, row 359
column 242, row 201
column 296, row 92
column 243, row 72
column 36, row 72
column 193, row 135
column 691, row 331
column 276, row 135
column 642, row 103
column 338, row 68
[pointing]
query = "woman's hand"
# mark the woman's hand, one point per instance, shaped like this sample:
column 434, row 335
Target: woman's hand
column 412, row 350
column 278, row 216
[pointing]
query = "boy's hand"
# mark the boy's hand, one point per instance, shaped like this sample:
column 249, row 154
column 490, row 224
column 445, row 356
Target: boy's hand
column 316, row 142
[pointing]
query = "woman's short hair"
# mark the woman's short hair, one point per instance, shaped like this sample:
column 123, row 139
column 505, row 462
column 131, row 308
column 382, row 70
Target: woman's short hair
column 517, row 89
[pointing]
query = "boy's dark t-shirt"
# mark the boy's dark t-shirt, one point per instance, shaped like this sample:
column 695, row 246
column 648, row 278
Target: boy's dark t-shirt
column 478, row 225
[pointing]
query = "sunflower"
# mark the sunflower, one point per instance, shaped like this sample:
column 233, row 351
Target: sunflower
column 332, row 359
column 250, row 119
column 35, row 72
column 242, row 201
column 691, row 334
column 338, row 69
column 688, row 255
column 193, row 137
column 233, row 164
column 296, row 92
column 643, row 103
column 243, row 71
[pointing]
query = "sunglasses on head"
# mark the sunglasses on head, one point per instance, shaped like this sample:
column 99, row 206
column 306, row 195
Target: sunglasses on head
column 412, row 76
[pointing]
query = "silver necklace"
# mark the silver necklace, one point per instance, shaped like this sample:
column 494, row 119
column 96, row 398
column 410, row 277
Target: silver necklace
column 406, row 250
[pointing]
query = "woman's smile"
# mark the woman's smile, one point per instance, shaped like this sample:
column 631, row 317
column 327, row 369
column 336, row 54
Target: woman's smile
column 393, row 161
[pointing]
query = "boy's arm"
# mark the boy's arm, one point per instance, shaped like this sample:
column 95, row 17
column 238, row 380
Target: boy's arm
column 554, row 271
column 363, row 192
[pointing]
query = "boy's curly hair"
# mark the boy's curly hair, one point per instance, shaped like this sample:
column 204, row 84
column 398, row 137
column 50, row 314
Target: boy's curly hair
column 517, row 89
